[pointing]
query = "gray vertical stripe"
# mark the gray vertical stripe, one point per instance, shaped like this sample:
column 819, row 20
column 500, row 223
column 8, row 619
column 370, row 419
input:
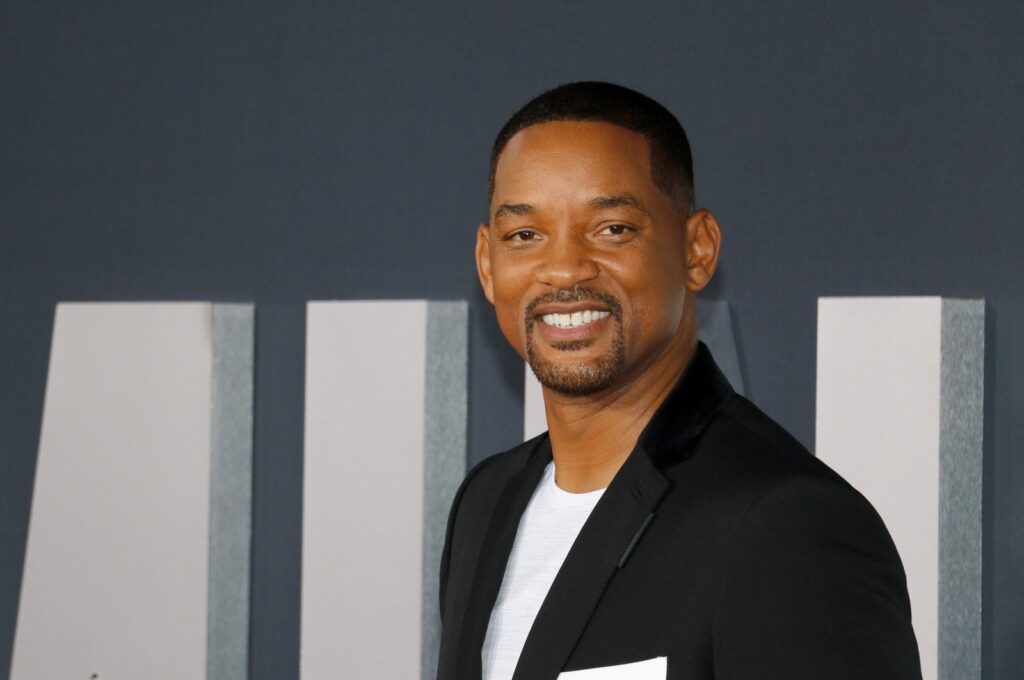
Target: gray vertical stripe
column 444, row 456
column 227, row 637
column 960, row 493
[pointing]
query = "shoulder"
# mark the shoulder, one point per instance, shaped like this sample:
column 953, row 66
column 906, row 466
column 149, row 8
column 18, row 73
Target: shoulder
column 492, row 473
column 811, row 566
column 762, row 444
column 472, row 505
column 751, row 455
column 767, row 491
column 805, row 561
column 482, row 484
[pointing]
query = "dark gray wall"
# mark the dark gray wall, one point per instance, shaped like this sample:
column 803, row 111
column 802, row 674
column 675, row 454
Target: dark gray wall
column 294, row 151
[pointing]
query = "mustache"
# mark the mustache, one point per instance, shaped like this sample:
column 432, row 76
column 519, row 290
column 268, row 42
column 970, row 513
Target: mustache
column 574, row 295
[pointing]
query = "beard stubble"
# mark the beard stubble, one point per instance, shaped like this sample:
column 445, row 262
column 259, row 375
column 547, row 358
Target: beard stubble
column 578, row 378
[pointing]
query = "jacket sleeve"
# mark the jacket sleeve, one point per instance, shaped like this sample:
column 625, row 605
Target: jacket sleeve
column 812, row 587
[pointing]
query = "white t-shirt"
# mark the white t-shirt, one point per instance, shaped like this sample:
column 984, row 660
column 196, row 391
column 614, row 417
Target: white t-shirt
column 547, row 530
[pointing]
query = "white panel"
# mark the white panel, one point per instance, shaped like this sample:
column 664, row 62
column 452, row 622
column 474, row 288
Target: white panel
column 115, row 580
column 878, row 424
column 535, row 420
column 363, row 490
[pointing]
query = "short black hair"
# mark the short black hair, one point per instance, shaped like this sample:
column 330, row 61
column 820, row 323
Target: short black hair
column 671, row 161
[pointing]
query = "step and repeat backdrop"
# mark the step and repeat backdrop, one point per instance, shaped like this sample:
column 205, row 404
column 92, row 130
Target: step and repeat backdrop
column 245, row 360
column 138, row 552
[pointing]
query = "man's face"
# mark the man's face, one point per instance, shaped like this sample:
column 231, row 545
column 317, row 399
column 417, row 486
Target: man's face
column 585, row 258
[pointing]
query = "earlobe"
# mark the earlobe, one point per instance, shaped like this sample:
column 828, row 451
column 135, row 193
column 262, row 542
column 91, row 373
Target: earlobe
column 483, row 261
column 703, row 240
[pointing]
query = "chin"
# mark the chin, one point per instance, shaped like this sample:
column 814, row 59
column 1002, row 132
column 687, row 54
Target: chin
column 577, row 378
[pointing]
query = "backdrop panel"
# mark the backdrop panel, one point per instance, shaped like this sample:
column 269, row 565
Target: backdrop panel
column 384, row 452
column 139, row 398
column 227, row 636
column 900, row 415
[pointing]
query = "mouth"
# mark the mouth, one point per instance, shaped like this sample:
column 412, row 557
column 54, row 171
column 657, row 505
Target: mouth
column 571, row 320
column 571, row 331
column 576, row 319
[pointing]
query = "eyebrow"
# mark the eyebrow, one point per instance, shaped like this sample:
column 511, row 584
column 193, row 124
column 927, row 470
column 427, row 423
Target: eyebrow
column 599, row 202
column 513, row 209
column 618, row 201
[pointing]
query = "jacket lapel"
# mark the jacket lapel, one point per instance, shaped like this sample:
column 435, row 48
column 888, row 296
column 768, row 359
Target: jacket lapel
column 608, row 534
column 493, row 557
column 616, row 524
column 619, row 519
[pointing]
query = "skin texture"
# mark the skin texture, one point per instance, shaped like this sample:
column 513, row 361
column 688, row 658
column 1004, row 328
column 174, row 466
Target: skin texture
column 576, row 221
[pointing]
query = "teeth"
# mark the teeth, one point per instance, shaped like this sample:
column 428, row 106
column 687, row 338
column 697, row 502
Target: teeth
column 574, row 320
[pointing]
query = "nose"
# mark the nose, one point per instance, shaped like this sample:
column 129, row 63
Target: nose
column 565, row 262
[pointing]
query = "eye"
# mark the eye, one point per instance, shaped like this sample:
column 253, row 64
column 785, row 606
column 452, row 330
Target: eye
column 522, row 235
column 617, row 229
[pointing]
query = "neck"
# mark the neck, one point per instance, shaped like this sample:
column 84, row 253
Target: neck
column 591, row 436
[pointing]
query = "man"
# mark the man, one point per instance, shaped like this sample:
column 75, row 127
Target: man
column 663, row 526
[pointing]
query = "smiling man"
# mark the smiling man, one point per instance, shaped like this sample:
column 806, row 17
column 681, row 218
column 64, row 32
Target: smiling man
column 663, row 527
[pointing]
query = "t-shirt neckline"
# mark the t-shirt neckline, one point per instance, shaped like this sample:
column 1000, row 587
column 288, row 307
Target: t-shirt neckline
column 564, row 497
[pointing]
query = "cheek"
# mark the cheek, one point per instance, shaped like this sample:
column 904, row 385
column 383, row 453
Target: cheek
column 656, row 301
column 511, row 325
column 509, row 303
column 656, row 316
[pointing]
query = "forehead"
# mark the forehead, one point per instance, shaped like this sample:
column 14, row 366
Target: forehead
column 568, row 157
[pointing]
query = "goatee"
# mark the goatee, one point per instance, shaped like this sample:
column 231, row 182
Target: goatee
column 583, row 377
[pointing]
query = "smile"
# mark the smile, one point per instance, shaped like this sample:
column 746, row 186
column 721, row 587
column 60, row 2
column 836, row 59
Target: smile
column 574, row 320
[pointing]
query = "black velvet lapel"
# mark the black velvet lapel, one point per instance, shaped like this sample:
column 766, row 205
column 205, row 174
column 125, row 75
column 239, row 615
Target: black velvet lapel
column 618, row 516
column 700, row 392
column 625, row 509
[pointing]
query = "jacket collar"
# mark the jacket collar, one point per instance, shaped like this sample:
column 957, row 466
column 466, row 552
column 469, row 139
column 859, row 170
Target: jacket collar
column 700, row 392
column 603, row 546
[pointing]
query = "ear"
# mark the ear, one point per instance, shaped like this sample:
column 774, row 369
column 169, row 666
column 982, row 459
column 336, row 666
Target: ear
column 703, row 243
column 483, row 261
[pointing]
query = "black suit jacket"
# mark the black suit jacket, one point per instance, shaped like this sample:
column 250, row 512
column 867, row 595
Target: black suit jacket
column 721, row 543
